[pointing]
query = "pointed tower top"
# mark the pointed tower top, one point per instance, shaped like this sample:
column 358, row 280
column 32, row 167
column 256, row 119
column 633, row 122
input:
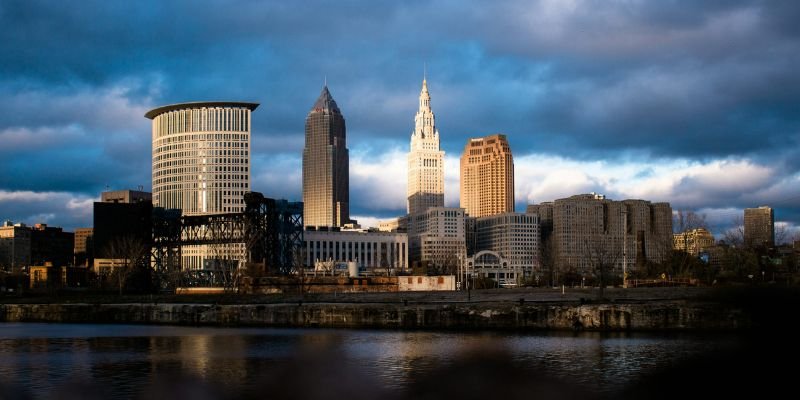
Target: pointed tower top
column 325, row 101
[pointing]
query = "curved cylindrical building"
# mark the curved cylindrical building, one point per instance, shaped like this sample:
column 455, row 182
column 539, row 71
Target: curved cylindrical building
column 201, row 162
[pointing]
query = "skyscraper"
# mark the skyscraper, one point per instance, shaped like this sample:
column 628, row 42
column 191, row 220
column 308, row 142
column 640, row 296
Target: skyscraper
column 487, row 176
column 425, row 159
column 759, row 227
column 201, row 165
column 326, row 169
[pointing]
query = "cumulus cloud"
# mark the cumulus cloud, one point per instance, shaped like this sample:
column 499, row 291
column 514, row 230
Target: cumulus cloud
column 718, row 189
column 688, row 102
column 378, row 180
column 81, row 140
column 64, row 209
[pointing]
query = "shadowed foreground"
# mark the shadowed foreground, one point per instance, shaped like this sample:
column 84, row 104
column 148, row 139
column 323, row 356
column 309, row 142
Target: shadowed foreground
column 758, row 363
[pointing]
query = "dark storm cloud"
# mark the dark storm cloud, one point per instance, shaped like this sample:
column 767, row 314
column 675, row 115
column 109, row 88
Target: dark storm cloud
column 54, row 208
column 585, row 80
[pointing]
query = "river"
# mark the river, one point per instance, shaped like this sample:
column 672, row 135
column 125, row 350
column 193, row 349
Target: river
column 145, row 361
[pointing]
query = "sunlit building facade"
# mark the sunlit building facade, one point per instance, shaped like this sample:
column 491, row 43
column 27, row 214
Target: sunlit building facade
column 425, row 159
column 515, row 237
column 326, row 165
column 438, row 236
column 368, row 249
column 693, row 241
column 487, row 176
column 201, row 165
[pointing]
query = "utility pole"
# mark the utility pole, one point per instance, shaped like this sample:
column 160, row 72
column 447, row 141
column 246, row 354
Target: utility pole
column 624, row 247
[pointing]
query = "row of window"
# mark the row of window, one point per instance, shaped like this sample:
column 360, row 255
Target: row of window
column 202, row 120
column 212, row 171
column 200, row 157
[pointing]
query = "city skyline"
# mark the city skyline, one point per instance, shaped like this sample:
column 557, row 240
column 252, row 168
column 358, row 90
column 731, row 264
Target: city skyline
column 691, row 104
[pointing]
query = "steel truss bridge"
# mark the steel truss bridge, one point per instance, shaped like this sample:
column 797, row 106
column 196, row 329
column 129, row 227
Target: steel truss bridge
column 269, row 231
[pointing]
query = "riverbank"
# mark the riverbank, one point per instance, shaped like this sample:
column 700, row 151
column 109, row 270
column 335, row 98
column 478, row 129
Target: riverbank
column 623, row 310
column 555, row 316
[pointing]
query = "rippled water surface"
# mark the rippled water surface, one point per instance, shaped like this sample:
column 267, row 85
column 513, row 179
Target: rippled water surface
column 127, row 361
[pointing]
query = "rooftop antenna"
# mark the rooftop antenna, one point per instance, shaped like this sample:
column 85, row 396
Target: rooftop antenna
column 424, row 71
column 326, row 80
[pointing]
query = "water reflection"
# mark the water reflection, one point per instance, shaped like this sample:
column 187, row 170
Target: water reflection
column 121, row 361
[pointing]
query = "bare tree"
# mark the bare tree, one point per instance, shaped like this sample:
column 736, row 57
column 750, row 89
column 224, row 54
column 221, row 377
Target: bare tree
column 684, row 220
column 781, row 234
column 734, row 236
column 5, row 256
column 131, row 252
column 548, row 260
column 444, row 263
column 602, row 253
column 681, row 262
column 384, row 263
column 298, row 265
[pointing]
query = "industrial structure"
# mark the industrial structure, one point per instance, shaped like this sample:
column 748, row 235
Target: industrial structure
column 270, row 231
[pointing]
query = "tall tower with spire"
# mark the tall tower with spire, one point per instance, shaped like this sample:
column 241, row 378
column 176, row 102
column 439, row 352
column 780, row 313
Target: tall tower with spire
column 326, row 165
column 425, row 159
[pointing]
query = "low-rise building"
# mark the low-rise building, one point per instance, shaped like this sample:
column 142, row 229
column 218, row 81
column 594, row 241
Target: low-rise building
column 693, row 241
column 83, row 247
column 51, row 245
column 490, row 264
column 15, row 247
column 369, row 249
column 399, row 224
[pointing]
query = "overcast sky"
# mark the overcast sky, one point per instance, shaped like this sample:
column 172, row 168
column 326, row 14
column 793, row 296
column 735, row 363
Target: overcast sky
column 694, row 103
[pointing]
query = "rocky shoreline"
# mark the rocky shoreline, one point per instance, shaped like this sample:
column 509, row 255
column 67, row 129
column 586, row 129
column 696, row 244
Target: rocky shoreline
column 631, row 315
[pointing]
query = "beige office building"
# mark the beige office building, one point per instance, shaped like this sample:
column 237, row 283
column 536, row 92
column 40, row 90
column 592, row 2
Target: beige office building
column 438, row 236
column 759, row 227
column 693, row 241
column 201, row 165
column 487, row 176
column 515, row 237
column 589, row 229
column 326, row 176
column 425, row 159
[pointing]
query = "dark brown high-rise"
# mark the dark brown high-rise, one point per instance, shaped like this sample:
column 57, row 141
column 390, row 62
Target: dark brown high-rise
column 759, row 227
column 326, row 188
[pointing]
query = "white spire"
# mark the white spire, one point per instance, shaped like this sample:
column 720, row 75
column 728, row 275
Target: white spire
column 425, row 121
column 425, row 158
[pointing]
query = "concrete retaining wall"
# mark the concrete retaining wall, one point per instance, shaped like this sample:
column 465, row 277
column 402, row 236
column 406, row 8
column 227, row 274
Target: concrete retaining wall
column 666, row 315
